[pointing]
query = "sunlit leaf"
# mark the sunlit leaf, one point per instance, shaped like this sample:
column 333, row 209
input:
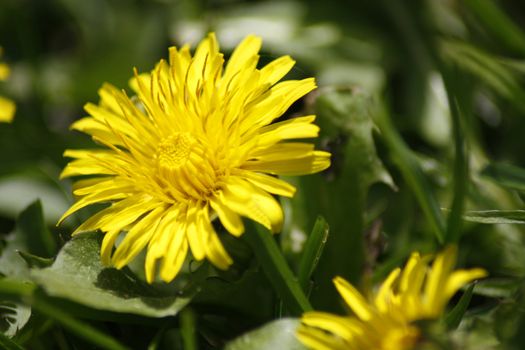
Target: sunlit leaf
column 278, row 334
column 78, row 275
column 496, row 216
column 13, row 316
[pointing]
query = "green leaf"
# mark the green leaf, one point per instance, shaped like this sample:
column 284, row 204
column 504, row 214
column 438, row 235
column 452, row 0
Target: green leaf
column 505, row 175
column 78, row 275
column 278, row 334
column 453, row 318
column 313, row 249
column 495, row 216
column 38, row 239
column 13, row 316
column 30, row 237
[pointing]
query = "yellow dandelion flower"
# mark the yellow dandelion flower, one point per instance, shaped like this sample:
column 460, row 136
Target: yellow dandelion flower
column 386, row 321
column 197, row 142
column 7, row 107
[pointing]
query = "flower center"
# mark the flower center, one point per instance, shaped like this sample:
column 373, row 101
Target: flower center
column 184, row 165
column 174, row 151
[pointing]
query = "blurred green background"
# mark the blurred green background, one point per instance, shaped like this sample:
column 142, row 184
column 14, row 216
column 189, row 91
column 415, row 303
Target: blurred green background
column 402, row 86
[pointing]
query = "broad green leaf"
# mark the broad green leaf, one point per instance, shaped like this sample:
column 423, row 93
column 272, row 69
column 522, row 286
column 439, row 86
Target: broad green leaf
column 506, row 175
column 78, row 275
column 495, row 216
column 278, row 334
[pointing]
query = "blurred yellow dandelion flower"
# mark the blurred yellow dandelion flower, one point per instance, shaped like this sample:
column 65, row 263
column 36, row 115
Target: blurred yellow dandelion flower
column 418, row 292
column 197, row 142
column 7, row 107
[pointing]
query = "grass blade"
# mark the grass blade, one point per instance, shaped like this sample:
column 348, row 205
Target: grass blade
column 453, row 318
column 312, row 252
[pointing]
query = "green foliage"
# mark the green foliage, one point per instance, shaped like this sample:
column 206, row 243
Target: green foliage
column 420, row 103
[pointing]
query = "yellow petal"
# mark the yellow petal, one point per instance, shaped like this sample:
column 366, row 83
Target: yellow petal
column 4, row 71
column 275, row 70
column 229, row 219
column 275, row 103
column 215, row 251
column 460, row 278
column 353, row 299
column 343, row 327
column 295, row 128
column 98, row 197
column 7, row 110
column 386, row 291
column 196, row 238
column 247, row 200
column 319, row 340
column 269, row 183
column 108, row 242
column 137, row 238
column 176, row 253
column 245, row 51
column 309, row 163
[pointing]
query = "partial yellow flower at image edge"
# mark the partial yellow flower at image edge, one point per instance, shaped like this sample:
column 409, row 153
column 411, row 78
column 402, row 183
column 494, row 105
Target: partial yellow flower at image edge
column 7, row 107
column 386, row 320
column 198, row 142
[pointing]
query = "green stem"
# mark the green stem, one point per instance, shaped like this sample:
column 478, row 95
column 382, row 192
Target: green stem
column 187, row 325
column 276, row 269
